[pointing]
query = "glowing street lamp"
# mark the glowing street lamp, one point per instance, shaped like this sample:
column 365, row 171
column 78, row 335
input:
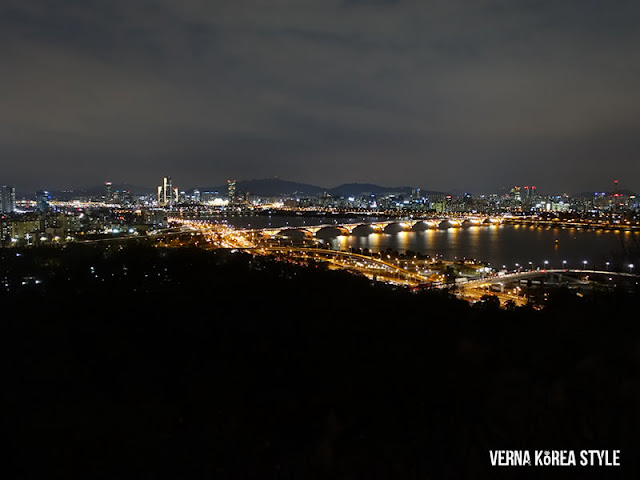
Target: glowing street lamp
column 631, row 268
column 584, row 262
column 607, row 266
column 546, row 262
column 564, row 264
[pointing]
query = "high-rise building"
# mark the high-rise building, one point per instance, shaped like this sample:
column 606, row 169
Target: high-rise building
column 516, row 193
column 125, row 197
column 42, row 200
column 166, row 193
column 166, row 190
column 231, row 191
column 7, row 199
column 108, row 192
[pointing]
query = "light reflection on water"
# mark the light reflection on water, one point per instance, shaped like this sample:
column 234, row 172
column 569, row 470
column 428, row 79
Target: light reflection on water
column 499, row 245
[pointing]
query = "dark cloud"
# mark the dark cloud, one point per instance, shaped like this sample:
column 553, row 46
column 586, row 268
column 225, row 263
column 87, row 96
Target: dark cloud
column 443, row 94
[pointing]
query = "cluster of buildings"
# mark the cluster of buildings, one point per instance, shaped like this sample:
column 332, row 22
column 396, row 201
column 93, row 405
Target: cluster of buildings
column 170, row 197
column 518, row 200
column 44, row 219
column 62, row 224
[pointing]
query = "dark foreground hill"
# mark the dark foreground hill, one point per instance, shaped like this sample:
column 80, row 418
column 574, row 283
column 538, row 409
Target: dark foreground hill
column 150, row 363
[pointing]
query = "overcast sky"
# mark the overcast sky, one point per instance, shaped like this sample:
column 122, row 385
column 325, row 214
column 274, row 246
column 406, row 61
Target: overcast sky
column 442, row 94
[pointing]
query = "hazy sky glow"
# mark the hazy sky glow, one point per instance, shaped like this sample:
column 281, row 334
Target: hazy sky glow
column 442, row 94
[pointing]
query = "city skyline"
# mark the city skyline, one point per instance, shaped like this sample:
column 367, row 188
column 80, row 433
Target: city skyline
column 467, row 96
column 289, row 187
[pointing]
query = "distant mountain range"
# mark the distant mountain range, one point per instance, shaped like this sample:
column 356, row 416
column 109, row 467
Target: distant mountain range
column 267, row 187
column 271, row 187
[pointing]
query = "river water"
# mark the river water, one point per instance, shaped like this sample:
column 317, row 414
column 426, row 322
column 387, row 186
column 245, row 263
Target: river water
column 499, row 245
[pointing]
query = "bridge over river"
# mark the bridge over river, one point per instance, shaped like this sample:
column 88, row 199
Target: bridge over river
column 365, row 228
column 420, row 274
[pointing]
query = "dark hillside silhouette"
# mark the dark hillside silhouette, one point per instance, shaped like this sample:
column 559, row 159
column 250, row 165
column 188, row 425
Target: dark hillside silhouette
column 183, row 363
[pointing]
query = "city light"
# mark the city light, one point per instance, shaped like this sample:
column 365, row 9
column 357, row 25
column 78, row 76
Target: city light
column 278, row 239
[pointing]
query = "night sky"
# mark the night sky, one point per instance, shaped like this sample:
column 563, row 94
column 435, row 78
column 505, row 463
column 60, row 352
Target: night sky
column 442, row 94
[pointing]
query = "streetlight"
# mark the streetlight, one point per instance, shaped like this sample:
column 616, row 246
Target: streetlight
column 607, row 266
column 631, row 268
column 546, row 262
column 530, row 265
column 564, row 264
column 584, row 262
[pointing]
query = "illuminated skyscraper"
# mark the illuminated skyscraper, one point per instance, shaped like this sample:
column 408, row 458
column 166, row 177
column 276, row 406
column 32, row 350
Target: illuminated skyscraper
column 165, row 193
column 108, row 192
column 516, row 194
column 231, row 190
column 166, row 190
column 42, row 200
column 7, row 199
